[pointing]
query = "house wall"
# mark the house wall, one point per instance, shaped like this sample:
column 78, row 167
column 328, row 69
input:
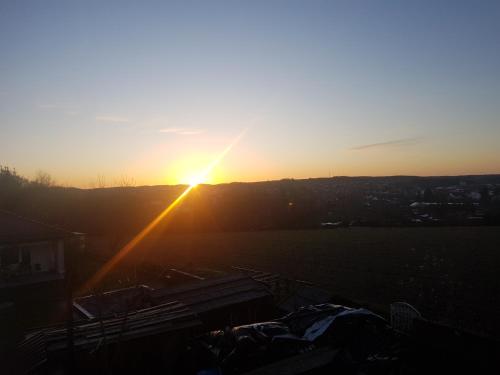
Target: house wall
column 43, row 256
column 60, row 257
column 24, row 281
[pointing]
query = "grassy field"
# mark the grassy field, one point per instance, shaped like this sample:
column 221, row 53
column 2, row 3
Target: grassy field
column 450, row 274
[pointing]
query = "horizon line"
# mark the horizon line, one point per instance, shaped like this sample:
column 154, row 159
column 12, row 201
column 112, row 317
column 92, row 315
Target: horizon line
column 284, row 179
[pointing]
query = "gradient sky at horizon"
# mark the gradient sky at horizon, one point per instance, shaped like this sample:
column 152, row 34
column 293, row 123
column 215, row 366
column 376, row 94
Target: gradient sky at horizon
column 154, row 90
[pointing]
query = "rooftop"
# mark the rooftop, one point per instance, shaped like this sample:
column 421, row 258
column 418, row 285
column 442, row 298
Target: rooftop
column 200, row 296
column 205, row 295
column 15, row 228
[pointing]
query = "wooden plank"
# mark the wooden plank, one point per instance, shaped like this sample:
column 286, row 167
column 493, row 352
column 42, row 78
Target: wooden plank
column 192, row 275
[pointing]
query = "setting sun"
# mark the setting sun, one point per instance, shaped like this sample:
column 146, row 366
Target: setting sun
column 206, row 172
column 197, row 179
column 176, row 173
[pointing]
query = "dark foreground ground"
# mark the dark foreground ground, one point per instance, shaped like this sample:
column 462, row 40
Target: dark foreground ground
column 449, row 274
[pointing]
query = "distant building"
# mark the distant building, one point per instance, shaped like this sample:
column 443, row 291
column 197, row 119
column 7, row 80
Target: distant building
column 30, row 252
column 474, row 195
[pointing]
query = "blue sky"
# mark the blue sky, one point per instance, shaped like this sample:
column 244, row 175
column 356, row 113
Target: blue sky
column 154, row 89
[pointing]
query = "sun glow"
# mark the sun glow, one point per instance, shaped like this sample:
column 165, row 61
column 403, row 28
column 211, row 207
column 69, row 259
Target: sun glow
column 197, row 180
column 200, row 178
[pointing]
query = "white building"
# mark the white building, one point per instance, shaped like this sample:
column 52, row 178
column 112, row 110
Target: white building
column 30, row 252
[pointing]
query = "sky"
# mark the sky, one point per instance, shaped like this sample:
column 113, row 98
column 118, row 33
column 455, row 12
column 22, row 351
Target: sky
column 151, row 92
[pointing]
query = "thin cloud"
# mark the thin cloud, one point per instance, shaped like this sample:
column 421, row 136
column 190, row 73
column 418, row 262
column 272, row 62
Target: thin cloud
column 112, row 118
column 394, row 143
column 171, row 130
column 181, row 131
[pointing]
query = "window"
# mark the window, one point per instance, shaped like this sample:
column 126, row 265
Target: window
column 9, row 255
column 25, row 256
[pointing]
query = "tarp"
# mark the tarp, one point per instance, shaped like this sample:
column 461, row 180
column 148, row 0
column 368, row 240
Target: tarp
column 243, row 348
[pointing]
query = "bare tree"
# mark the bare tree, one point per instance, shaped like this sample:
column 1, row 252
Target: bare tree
column 44, row 179
column 9, row 177
column 101, row 181
column 126, row 181
column 98, row 183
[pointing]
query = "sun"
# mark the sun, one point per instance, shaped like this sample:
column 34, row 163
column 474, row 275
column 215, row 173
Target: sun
column 197, row 180
column 193, row 182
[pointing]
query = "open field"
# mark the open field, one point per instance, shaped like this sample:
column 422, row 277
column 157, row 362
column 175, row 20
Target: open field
column 449, row 273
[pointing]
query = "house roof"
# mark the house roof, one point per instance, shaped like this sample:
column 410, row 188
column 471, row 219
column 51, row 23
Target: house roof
column 168, row 317
column 14, row 229
column 211, row 294
column 200, row 296
column 114, row 302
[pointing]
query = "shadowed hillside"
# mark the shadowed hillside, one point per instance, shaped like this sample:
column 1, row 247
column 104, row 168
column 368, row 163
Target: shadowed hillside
column 284, row 204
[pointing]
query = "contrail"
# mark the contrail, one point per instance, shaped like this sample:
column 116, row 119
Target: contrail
column 393, row 143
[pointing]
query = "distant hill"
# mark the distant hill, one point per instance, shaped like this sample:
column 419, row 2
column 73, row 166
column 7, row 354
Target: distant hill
column 280, row 204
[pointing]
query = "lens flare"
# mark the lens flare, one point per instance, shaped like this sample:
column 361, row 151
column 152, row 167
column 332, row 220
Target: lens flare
column 110, row 264
column 196, row 180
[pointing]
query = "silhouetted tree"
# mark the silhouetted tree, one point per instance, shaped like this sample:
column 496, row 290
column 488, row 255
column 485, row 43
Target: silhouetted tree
column 44, row 179
column 99, row 183
column 126, row 181
column 11, row 185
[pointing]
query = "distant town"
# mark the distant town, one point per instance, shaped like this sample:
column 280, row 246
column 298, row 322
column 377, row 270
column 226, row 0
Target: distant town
column 321, row 203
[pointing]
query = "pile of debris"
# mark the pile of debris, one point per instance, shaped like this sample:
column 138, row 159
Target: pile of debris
column 234, row 324
column 316, row 337
column 116, row 338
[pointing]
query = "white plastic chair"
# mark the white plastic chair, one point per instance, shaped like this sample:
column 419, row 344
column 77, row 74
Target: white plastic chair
column 402, row 316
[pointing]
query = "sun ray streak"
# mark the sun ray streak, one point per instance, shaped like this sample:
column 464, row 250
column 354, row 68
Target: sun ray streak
column 110, row 264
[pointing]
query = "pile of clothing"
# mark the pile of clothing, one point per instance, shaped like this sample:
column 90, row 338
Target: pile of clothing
column 359, row 338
